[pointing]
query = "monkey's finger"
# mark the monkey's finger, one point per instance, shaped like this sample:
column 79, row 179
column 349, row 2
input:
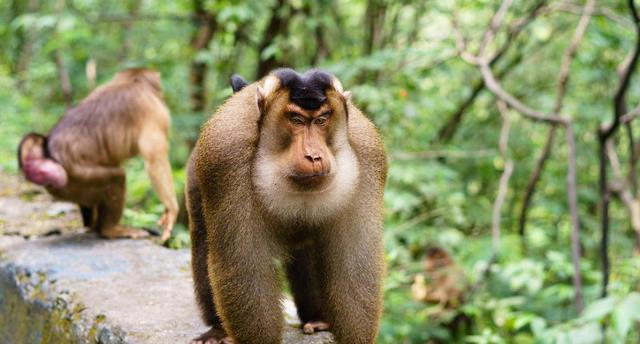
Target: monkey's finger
column 313, row 326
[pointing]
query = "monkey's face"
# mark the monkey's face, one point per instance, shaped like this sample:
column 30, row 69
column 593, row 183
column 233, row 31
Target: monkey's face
column 306, row 136
column 304, row 142
column 304, row 163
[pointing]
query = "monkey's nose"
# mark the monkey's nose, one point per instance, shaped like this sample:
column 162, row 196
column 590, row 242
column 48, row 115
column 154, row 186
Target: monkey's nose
column 313, row 157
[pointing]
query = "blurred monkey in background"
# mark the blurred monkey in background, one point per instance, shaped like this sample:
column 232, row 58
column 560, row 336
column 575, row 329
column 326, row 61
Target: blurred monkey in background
column 81, row 158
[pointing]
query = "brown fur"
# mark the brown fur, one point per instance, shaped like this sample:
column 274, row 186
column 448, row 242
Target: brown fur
column 334, row 263
column 119, row 120
column 445, row 280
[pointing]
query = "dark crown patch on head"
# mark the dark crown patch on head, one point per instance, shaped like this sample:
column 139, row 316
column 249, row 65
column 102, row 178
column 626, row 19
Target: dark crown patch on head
column 305, row 90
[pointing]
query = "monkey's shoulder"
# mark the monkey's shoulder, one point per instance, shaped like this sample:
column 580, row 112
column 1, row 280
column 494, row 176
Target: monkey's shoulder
column 365, row 139
column 235, row 123
column 230, row 136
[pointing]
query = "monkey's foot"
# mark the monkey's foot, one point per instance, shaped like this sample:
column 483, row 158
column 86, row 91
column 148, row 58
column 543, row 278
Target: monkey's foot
column 123, row 232
column 213, row 336
column 313, row 326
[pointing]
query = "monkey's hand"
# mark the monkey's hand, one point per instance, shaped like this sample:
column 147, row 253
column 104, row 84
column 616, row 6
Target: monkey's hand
column 166, row 221
column 314, row 326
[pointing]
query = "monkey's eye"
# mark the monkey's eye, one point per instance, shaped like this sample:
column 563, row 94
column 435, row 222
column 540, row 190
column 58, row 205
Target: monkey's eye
column 322, row 120
column 296, row 119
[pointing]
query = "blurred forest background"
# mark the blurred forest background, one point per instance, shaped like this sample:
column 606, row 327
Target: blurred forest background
column 513, row 212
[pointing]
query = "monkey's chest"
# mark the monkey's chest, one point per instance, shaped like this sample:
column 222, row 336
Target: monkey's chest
column 297, row 235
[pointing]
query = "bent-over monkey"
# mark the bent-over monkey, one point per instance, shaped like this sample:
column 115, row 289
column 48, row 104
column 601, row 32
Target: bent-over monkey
column 80, row 160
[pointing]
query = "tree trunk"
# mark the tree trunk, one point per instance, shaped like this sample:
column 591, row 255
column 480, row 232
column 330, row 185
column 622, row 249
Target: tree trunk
column 206, row 25
column 25, row 38
column 63, row 76
column 133, row 7
column 278, row 24
column 374, row 25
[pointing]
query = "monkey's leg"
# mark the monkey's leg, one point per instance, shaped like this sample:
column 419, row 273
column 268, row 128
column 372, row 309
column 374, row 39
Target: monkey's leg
column 109, row 214
column 352, row 272
column 199, row 253
column 88, row 216
column 302, row 273
column 154, row 149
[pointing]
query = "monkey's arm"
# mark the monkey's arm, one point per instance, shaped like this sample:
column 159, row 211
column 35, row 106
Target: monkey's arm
column 243, row 277
column 242, row 274
column 154, row 148
column 353, row 262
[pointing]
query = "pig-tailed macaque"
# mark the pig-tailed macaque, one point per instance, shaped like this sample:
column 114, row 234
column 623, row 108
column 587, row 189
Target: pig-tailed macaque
column 444, row 282
column 287, row 169
column 81, row 158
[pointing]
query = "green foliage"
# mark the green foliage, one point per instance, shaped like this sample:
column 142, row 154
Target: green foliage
column 410, row 84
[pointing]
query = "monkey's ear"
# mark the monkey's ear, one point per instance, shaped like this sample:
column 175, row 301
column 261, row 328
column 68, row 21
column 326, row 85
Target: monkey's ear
column 337, row 85
column 238, row 83
column 264, row 91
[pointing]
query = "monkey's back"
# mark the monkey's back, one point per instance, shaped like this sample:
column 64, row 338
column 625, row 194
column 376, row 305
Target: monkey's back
column 123, row 108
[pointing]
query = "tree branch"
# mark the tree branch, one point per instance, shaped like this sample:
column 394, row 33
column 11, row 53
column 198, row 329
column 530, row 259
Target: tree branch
column 563, row 80
column 503, row 186
column 496, row 21
column 597, row 11
column 534, row 179
column 620, row 188
column 605, row 133
column 575, row 223
column 448, row 130
column 551, row 118
column 63, row 76
column 438, row 154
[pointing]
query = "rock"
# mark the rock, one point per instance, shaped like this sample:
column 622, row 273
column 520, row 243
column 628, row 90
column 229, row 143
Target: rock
column 75, row 287
column 78, row 287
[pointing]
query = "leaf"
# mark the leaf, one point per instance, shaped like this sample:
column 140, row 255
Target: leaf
column 598, row 310
column 626, row 312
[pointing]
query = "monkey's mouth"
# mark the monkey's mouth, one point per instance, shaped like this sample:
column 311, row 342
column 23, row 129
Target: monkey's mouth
column 310, row 181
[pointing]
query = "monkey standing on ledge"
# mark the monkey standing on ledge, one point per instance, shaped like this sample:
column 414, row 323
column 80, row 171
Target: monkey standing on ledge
column 287, row 168
column 80, row 160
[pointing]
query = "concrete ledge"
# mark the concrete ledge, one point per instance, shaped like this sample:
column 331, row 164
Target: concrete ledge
column 74, row 287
